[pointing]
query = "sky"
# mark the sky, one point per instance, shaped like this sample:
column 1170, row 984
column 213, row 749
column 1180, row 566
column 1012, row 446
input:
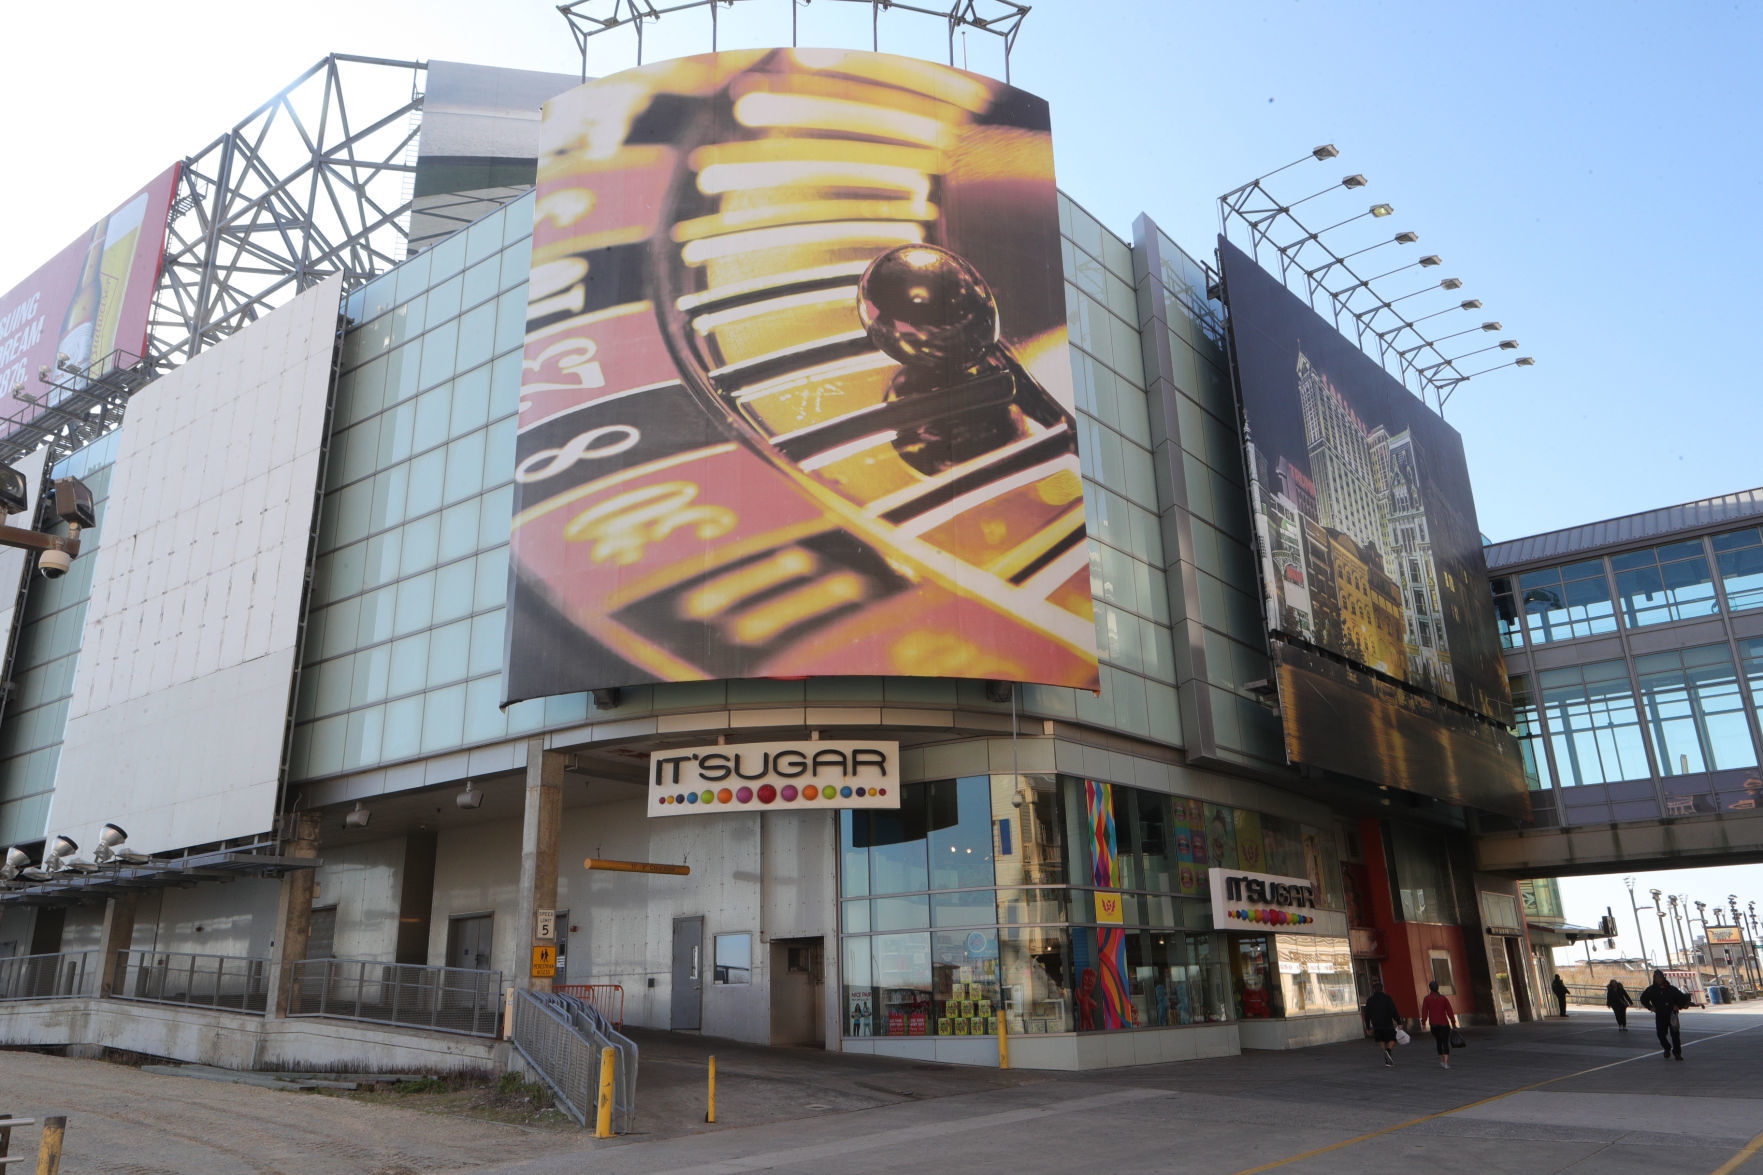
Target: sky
column 1585, row 169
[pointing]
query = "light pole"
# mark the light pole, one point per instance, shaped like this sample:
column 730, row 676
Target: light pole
column 1629, row 881
column 1707, row 947
column 1677, row 927
column 1664, row 938
column 1738, row 920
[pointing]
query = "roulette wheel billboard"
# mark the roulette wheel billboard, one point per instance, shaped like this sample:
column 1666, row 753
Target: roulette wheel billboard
column 796, row 396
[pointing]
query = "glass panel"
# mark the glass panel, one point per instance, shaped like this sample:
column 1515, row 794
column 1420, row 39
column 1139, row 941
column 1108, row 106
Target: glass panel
column 1694, row 711
column 960, row 833
column 1594, row 728
column 964, row 984
column 1561, row 603
column 1666, row 583
column 853, row 856
column 1315, row 975
column 1739, row 556
column 733, row 959
column 898, row 857
column 1030, row 830
column 902, row 964
column 905, row 913
column 858, row 977
column 970, row 908
column 1036, row 969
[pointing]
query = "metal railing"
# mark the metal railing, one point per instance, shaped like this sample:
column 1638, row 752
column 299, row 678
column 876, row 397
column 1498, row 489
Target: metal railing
column 49, row 977
column 561, row 1037
column 443, row 999
column 237, row 983
column 607, row 997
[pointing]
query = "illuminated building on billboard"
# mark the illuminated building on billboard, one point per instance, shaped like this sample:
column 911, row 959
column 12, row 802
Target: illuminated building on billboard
column 790, row 462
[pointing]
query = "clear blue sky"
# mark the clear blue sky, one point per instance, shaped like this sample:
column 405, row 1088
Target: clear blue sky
column 1588, row 170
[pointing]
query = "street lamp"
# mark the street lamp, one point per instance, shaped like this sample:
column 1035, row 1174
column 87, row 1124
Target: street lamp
column 1677, row 927
column 1664, row 939
column 1630, row 883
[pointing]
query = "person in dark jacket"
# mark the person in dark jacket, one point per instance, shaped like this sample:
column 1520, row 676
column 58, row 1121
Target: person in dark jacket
column 1559, row 987
column 1381, row 1015
column 1663, row 1000
column 1616, row 998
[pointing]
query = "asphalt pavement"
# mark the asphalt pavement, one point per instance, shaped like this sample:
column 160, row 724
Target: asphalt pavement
column 1556, row 1096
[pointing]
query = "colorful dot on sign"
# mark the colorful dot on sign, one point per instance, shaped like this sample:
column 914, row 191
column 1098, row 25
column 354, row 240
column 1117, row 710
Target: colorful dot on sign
column 811, row 792
column 708, row 796
column 744, row 795
column 767, row 793
column 691, row 797
column 725, row 796
column 884, row 791
column 789, row 792
column 846, row 792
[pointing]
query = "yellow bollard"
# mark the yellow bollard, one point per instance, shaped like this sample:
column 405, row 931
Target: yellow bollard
column 49, row 1150
column 710, row 1116
column 603, row 1111
column 1003, row 1044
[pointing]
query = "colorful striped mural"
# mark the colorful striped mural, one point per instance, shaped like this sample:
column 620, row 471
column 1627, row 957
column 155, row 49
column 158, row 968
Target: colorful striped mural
column 1111, row 994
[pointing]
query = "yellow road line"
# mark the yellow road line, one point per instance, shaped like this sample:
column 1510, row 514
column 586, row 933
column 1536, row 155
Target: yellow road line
column 1738, row 1160
column 1731, row 1165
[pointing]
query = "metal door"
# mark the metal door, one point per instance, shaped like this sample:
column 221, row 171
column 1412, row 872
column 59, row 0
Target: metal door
column 561, row 935
column 468, row 942
column 688, row 972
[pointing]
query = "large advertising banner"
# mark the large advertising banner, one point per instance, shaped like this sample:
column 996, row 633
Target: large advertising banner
column 797, row 398
column 1370, row 551
column 78, row 311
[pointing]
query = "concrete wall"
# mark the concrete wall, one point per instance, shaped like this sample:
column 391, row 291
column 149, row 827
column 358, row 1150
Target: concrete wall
column 235, row 1041
column 363, row 882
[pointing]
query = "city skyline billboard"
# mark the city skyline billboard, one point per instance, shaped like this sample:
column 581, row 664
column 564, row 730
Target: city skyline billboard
column 796, row 397
column 91, row 300
column 1369, row 551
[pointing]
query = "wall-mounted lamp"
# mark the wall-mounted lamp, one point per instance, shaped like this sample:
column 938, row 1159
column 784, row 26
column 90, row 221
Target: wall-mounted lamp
column 470, row 799
column 608, row 698
column 357, row 817
column 17, row 860
column 1000, row 691
column 111, row 848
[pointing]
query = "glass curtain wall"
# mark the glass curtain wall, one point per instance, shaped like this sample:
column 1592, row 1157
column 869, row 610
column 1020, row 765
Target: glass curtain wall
column 1739, row 556
column 979, row 898
column 1660, row 584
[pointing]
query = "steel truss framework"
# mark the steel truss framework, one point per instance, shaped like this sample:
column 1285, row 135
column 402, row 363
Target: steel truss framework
column 1332, row 283
column 1004, row 20
column 314, row 182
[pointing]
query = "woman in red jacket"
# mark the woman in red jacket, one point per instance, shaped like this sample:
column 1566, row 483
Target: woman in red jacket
column 1436, row 1010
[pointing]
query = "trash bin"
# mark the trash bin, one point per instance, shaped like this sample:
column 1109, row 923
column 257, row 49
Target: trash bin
column 1716, row 994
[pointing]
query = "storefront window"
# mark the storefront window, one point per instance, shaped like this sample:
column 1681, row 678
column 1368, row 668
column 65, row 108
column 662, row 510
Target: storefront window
column 1036, row 970
column 960, row 833
column 1030, row 830
column 1315, row 975
column 1420, row 867
column 902, row 984
column 965, row 970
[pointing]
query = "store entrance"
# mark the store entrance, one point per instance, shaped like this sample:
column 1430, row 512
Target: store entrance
column 798, row 991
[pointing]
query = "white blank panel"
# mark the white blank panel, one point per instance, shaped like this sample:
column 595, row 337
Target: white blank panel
column 180, row 700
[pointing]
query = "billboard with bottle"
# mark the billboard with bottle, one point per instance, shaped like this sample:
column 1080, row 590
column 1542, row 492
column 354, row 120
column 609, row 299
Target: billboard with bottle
column 797, row 399
column 84, row 313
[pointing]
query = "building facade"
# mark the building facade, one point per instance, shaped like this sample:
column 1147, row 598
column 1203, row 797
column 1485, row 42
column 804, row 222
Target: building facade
column 1055, row 865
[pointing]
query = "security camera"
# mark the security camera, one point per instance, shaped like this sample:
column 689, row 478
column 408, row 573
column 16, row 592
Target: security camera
column 469, row 798
column 357, row 817
column 54, row 564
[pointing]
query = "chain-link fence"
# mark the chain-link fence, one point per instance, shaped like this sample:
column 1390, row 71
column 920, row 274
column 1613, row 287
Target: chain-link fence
column 445, row 999
column 49, row 977
column 237, row 983
column 561, row 1037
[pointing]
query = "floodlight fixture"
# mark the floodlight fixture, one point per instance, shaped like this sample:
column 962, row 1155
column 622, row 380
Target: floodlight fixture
column 1407, row 238
column 111, row 848
column 63, row 846
column 1381, row 210
column 470, row 799
column 1353, row 181
column 357, row 817
column 15, row 490
column 17, row 860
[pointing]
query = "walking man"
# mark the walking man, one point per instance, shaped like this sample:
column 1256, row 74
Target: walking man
column 1381, row 1015
column 1663, row 1000
column 1436, row 1010
column 1559, row 987
column 1616, row 998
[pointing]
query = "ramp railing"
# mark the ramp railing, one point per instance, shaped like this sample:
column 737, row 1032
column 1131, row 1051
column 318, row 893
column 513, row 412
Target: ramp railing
column 49, row 977
column 442, row 999
column 562, row 1038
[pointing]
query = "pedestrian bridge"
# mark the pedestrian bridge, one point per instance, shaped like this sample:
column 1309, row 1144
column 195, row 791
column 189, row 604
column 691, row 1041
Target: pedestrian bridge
column 1690, row 841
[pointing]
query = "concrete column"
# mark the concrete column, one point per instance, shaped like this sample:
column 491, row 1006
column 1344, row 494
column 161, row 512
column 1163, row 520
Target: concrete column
column 540, row 826
column 117, row 936
column 293, row 916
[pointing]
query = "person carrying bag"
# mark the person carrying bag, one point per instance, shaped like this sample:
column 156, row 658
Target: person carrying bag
column 1437, row 1013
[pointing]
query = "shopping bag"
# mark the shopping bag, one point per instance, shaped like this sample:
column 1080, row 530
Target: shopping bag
column 1457, row 1041
column 1401, row 1037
